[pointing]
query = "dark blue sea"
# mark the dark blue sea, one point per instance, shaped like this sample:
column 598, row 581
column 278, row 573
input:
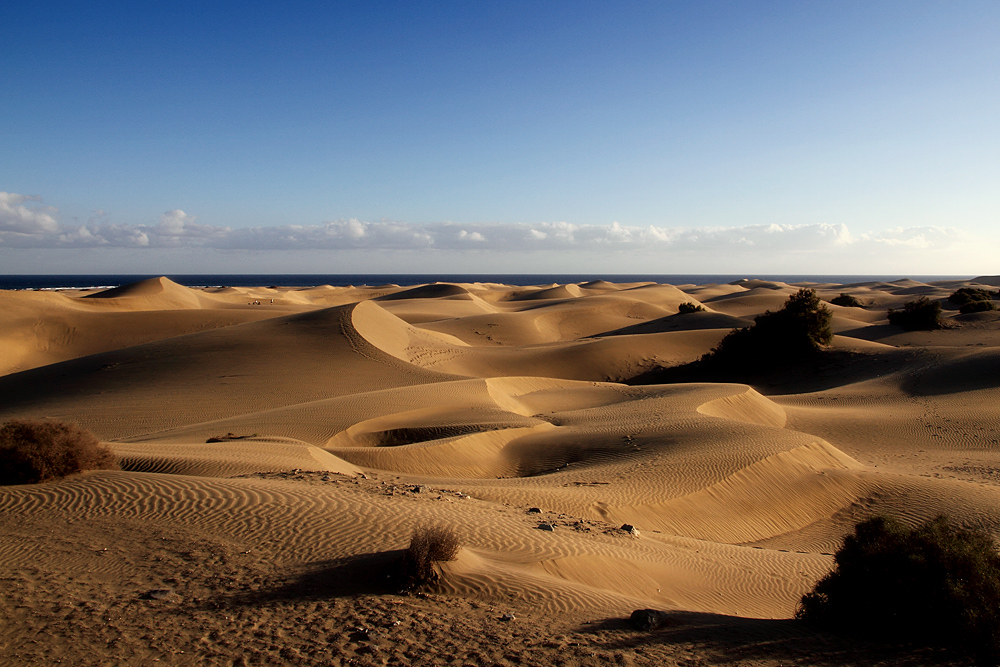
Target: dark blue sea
column 20, row 282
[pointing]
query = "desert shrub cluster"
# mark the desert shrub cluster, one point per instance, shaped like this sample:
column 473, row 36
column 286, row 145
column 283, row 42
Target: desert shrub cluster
column 973, row 300
column 965, row 295
column 428, row 545
column 37, row 451
column 689, row 307
column 937, row 584
column 800, row 327
column 922, row 314
column 847, row 300
column 977, row 307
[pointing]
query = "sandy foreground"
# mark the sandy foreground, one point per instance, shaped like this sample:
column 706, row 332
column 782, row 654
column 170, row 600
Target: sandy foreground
column 356, row 415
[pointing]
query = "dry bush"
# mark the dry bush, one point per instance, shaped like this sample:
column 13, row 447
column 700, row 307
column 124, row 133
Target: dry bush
column 789, row 335
column 936, row 584
column 920, row 315
column 689, row 307
column 37, row 451
column 847, row 300
column 427, row 546
column 966, row 295
column 977, row 307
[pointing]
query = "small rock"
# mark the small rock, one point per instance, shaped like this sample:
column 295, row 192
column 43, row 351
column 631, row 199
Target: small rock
column 417, row 489
column 630, row 529
column 364, row 635
column 508, row 617
column 157, row 594
column 534, row 510
column 648, row 619
column 546, row 526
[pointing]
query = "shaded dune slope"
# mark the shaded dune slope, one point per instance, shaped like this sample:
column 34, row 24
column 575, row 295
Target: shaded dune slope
column 210, row 375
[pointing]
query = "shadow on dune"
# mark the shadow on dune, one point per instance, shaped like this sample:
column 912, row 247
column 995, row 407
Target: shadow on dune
column 364, row 574
column 434, row 291
column 819, row 371
column 681, row 322
column 734, row 640
column 977, row 371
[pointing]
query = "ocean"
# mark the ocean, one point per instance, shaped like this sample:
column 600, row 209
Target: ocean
column 36, row 282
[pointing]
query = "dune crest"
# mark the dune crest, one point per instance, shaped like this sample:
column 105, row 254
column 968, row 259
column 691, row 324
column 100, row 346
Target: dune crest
column 152, row 294
column 749, row 406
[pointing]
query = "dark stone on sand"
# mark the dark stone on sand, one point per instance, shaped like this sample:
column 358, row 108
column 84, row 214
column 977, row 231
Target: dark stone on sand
column 157, row 594
column 546, row 526
column 534, row 510
column 360, row 635
column 648, row 619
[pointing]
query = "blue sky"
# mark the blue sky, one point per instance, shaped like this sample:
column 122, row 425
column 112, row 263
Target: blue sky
column 667, row 137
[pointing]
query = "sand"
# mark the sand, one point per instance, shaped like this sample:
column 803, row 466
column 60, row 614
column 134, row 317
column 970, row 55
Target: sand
column 359, row 414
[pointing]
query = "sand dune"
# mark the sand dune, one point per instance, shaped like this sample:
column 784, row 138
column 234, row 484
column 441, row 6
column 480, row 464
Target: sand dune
column 277, row 441
column 153, row 294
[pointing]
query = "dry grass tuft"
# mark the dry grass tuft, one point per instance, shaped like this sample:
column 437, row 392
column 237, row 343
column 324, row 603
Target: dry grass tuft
column 37, row 451
column 427, row 546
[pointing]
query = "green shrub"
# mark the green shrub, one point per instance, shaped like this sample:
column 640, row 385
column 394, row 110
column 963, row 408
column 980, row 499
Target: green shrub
column 36, row 451
column 800, row 328
column 977, row 307
column 966, row 295
column 922, row 314
column 689, row 307
column 846, row 300
column 427, row 546
column 937, row 585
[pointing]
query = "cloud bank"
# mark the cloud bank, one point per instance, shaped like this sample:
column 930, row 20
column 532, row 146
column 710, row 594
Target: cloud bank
column 26, row 223
column 32, row 238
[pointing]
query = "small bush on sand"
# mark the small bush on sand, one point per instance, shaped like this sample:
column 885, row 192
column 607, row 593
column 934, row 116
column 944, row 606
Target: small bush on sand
column 937, row 585
column 689, row 307
column 36, row 451
column 922, row 314
column 800, row 328
column 847, row 300
column 966, row 295
column 427, row 546
column 977, row 307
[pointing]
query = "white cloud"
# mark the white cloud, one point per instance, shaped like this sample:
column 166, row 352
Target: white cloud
column 355, row 229
column 471, row 236
column 19, row 218
column 914, row 237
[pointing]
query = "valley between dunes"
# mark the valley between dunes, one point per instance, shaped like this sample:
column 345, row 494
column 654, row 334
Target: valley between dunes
column 353, row 415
